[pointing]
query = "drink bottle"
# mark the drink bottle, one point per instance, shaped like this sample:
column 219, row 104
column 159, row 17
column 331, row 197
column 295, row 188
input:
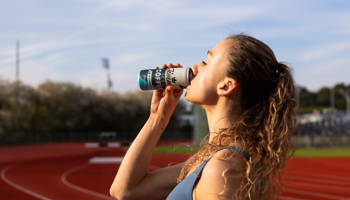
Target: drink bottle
column 158, row 79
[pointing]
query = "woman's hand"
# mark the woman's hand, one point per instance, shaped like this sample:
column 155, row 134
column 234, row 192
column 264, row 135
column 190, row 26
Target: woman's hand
column 133, row 180
column 164, row 101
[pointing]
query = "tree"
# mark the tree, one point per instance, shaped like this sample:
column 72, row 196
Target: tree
column 340, row 102
column 307, row 99
column 62, row 108
column 323, row 97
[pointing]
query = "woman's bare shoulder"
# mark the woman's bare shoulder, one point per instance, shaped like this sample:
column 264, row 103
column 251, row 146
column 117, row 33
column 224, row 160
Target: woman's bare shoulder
column 222, row 169
column 223, row 160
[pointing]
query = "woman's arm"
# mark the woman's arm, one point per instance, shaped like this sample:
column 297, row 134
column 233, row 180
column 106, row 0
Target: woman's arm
column 133, row 180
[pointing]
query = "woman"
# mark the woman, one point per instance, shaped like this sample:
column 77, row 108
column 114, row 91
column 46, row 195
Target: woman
column 248, row 97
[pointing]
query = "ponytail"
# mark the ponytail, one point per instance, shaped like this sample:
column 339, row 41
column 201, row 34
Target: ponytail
column 281, row 117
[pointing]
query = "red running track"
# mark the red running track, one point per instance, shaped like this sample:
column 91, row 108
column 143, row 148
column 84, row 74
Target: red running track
column 63, row 171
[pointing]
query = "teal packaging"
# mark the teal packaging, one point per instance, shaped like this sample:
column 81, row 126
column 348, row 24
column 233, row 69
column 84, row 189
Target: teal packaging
column 158, row 79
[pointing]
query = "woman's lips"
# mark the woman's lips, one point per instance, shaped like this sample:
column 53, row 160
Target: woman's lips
column 191, row 78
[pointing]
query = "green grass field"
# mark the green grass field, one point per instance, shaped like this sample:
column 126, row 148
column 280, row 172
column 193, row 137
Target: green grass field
column 300, row 152
column 175, row 149
column 322, row 152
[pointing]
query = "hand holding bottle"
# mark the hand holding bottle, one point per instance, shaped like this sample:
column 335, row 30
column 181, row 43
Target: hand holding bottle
column 164, row 101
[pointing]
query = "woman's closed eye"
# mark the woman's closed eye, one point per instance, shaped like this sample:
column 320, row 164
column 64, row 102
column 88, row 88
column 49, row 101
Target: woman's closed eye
column 204, row 63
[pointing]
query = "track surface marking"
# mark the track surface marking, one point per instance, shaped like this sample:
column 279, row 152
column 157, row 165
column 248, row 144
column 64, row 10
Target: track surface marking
column 78, row 188
column 18, row 187
column 63, row 171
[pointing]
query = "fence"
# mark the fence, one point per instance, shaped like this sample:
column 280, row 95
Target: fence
column 83, row 136
column 323, row 129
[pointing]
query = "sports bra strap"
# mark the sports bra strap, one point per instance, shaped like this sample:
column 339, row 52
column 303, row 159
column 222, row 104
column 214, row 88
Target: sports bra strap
column 239, row 150
column 199, row 169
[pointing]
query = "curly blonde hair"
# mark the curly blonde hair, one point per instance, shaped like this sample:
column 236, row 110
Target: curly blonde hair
column 264, row 122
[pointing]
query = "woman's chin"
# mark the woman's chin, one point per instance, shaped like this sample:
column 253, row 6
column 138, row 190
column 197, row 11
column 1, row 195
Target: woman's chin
column 191, row 100
column 187, row 97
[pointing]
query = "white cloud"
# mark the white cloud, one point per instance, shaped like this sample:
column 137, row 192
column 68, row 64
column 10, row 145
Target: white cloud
column 180, row 15
column 325, row 51
column 27, row 52
column 331, row 67
column 131, row 58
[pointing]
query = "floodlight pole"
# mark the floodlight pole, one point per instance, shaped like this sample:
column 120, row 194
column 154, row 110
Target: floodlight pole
column 105, row 63
column 297, row 96
column 16, row 89
column 17, row 61
column 346, row 95
column 332, row 98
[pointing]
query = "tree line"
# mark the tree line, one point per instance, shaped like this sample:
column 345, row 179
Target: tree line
column 61, row 108
column 64, row 108
column 322, row 98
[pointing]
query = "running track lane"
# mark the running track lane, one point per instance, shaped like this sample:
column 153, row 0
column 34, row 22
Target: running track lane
column 37, row 171
column 318, row 178
column 305, row 178
column 44, row 171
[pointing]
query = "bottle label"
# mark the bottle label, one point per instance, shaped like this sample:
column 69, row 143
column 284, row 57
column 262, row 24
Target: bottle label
column 158, row 79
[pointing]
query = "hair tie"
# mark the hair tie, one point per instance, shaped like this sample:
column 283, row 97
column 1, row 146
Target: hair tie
column 279, row 68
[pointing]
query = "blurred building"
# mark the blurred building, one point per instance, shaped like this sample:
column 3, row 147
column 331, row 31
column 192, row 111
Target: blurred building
column 186, row 119
column 331, row 127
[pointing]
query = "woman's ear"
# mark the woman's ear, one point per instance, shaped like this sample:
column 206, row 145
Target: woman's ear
column 227, row 87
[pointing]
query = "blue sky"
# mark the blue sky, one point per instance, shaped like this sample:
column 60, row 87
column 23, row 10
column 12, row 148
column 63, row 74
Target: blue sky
column 64, row 40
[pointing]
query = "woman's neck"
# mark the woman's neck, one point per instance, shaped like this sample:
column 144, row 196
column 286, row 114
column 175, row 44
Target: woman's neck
column 218, row 119
column 221, row 114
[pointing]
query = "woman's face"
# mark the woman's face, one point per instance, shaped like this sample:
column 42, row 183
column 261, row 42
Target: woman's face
column 208, row 74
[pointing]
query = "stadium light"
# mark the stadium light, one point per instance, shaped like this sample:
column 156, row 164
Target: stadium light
column 105, row 64
column 346, row 95
column 17, row 85
column 332, row 98
column 297, row 96
column 17, row 60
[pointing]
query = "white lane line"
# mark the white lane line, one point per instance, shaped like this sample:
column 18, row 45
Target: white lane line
column 315, row 175
column 114, row 160
column 18, row 187
column 317, row 180
column 324, row 186
column 290, row 198
column 75, row 187
column 114, row 144
column 92, row 145
column 98, row 144
column 106, row 160
column 314, row 194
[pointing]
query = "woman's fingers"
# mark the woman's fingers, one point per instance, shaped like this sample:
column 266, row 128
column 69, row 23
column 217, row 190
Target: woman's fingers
column 178, row 65
column 170, row 65
column 166, row 100
column 168, row 94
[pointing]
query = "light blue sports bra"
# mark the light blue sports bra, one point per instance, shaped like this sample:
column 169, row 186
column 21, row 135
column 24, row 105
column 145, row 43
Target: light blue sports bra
column 183, row 191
